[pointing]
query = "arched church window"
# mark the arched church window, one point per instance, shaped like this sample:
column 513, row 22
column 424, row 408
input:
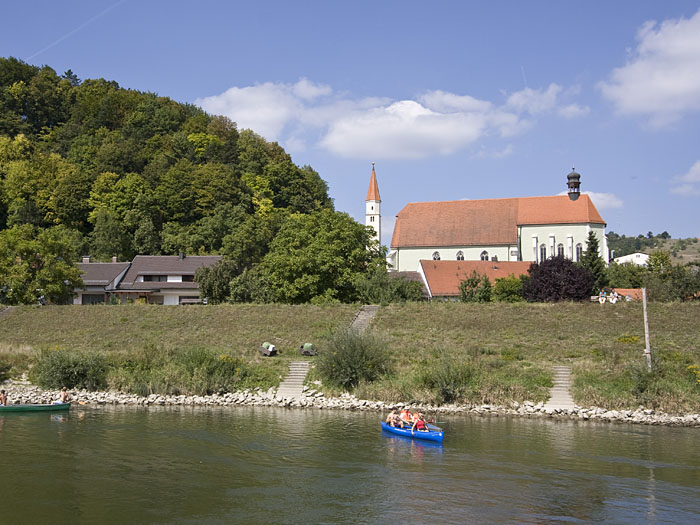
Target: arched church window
column 543, row 252
column 560, row 250
column 484, row 255
column 579, row 251
column 460, row 255
column 436, row 256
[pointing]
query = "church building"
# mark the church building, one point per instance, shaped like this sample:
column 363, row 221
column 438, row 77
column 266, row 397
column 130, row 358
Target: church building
column 526, row 229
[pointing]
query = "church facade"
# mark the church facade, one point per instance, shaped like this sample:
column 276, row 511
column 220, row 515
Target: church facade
column 528, row 229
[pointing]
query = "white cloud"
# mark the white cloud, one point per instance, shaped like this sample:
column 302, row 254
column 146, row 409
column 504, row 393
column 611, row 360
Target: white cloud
column 535, row 101
column 484, row 153
column 602, row 201
column 661, row 79
column 687, row 184
column 434, row 123
column 573, row 111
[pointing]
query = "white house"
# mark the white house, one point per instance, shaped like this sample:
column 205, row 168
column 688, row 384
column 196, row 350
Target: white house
column 638, row 258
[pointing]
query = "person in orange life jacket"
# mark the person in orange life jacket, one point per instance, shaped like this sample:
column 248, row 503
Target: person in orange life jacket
column 406, row 415
column 419, row 424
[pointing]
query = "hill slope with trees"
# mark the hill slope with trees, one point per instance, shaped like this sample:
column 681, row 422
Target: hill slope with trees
column 111, row 172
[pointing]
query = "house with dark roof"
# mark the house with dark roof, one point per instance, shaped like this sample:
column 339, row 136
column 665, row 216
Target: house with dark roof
column 151, row 279
column 100, row 280
column 527, row 229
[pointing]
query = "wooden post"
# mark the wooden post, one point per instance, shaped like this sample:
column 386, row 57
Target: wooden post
column 647, row 349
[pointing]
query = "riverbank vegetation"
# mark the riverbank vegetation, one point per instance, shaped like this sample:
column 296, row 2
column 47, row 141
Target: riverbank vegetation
column 493, row 353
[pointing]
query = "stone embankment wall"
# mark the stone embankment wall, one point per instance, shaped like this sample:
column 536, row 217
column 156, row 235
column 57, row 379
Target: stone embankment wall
column 22, row 392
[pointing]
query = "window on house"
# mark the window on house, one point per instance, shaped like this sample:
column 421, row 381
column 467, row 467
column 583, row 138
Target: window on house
column 484, row 255
column 494, row 258
column 436, row 256
column 543, row 252
column 156, row 278
column 560, row 250
column 188, row 278
column 460, row 255
column 579, row 251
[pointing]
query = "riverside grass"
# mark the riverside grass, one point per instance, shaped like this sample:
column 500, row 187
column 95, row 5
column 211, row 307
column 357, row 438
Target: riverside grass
column 503, row 352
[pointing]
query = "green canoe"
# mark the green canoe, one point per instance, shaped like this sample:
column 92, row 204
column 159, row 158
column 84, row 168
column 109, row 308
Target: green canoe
column 34, row 408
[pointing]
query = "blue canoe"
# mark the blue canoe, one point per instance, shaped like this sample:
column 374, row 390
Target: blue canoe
column 434, row 434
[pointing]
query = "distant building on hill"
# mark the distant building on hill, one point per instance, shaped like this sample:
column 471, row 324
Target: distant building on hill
column 520, row 229
column 638, row 258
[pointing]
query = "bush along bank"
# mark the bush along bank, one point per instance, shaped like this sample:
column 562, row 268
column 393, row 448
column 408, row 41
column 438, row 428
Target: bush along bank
column 25, row 392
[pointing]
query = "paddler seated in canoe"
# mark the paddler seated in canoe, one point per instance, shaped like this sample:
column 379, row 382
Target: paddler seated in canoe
column 64, row 397
column 3, row 398
column 419, row 424
column 393, row 419
column 406, row 416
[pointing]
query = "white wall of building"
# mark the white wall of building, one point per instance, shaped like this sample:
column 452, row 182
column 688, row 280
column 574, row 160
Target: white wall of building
column 408, row 259
column 638, row 258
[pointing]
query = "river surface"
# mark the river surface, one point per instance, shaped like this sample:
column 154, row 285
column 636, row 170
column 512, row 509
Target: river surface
column 266, row 465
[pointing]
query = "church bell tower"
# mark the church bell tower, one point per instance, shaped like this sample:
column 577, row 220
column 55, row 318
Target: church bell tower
column 373, row 216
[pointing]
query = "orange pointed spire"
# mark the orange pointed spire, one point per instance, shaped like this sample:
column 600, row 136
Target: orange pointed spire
column 373, row 191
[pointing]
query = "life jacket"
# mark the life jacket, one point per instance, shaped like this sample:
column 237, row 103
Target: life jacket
column 406, row 415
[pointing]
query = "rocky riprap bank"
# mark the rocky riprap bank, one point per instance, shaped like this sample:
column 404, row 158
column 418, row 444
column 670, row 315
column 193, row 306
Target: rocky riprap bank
column 23, row 392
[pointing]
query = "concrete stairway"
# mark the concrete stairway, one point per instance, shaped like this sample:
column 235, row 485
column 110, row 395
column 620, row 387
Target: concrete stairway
column 559, row 394
column 364, row 317
column 293, row 384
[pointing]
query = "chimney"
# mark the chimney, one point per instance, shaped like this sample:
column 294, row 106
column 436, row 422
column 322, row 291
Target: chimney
column 86, row 259
column 114, row 259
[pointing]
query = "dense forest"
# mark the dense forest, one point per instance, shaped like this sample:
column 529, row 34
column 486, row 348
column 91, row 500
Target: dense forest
column 88, row 167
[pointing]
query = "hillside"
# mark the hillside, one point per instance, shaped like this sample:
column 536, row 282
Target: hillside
column 124, row 172
column 682, row 250
column 509, row 348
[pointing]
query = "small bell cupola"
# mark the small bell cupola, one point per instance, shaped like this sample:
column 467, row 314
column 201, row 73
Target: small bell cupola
column 373, row 215
column 574, row 184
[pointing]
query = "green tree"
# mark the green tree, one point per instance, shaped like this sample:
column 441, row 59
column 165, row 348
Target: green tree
column 37, row 265
column 215, row 281
column 317, row 258
column 626, row 275
column 593, row 262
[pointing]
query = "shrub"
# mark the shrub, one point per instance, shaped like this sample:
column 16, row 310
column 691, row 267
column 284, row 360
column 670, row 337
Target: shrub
column 449, row 376
column 475, row 288
column 353, row 357
column 4, row 370
column 59, row 368
column 508, row 289
column 557, row 279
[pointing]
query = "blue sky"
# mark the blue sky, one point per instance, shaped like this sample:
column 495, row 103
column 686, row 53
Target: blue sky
column 452, row 100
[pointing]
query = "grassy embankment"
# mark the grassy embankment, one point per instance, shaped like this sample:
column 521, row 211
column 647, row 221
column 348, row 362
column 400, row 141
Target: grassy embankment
column 495, row 353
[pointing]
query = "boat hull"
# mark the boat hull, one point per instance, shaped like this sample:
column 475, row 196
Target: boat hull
column 432, row 435
column 35, row 408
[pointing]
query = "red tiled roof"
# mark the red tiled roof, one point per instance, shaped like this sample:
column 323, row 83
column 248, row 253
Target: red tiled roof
column 485, row 222
column 443, row 277
column 373, row 191
column 633, row 293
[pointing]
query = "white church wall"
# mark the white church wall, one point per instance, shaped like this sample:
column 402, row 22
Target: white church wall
column 408, row 259
column 552, row 235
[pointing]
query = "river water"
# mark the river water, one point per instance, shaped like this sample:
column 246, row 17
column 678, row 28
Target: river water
column 265, row 465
